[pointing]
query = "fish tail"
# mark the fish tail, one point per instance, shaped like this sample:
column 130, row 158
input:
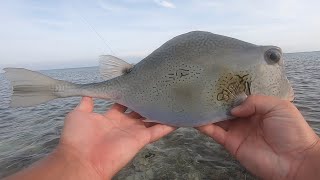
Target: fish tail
column 31, row 88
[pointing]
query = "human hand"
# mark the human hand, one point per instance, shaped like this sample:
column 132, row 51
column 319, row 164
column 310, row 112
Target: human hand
column 105, row 143
column 269, row 137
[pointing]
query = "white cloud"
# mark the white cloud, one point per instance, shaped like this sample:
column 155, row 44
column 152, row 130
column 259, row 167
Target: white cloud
column 134, row 28
column 108, row 6
column 53, row 23
column 165, row 4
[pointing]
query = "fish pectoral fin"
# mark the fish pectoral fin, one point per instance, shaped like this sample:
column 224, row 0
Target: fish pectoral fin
column 150, row 121
column 111, row 67
column 240, row 98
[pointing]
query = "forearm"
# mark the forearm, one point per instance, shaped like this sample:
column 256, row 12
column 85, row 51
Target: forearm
column 56, row 165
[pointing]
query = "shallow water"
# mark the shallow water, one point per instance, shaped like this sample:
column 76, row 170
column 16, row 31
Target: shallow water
column 27, row 134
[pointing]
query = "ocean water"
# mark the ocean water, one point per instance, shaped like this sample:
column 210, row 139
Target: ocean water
column 28, row 134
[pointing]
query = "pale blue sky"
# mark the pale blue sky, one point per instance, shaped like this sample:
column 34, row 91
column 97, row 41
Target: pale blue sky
column 54, row 34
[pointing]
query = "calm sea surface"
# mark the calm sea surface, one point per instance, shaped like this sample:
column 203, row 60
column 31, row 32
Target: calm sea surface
column 27, row 134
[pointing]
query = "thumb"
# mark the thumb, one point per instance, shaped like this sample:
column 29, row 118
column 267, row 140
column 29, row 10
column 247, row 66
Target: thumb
column 255, row 105
column 85, row 105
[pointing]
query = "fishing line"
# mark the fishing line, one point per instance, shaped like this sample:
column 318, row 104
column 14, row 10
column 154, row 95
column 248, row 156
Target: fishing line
column 94, row 30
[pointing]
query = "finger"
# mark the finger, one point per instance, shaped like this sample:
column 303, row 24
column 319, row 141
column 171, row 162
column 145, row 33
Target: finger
column 86, row 105
column 149, row 124
column 224, row 124
column 134, row 115
column 158, row 131
column 255, row 105
column 117, row 108
column 215, row 132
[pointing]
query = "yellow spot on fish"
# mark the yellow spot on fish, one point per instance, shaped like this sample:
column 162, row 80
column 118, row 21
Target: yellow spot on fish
column 230, row 85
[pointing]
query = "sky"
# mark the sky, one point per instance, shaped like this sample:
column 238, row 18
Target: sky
column 38, row 34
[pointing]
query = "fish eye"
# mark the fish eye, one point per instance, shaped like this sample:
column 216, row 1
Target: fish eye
column 273, row 55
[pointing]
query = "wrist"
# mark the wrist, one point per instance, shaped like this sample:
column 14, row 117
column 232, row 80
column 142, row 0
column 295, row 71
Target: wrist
column 73, row 165
column 60, row 164
column 308, row 167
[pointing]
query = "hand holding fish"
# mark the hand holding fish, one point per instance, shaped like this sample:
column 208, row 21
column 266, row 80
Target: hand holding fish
column 96, row 146
column 270, row 138
column 108, row 141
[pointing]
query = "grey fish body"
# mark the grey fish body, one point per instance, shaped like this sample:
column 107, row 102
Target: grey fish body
column 192, row 80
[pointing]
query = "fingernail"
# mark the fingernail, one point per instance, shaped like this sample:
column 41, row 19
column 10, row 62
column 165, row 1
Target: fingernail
column 236, row 109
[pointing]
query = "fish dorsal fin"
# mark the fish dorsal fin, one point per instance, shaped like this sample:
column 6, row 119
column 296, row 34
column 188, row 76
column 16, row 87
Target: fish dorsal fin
column 111, row 67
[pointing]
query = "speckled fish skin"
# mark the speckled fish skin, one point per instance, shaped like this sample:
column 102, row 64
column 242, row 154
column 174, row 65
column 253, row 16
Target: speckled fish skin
column 194, row 79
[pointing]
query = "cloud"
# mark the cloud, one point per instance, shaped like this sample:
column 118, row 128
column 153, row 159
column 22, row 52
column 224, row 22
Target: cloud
column 108, row 6
column 165, row 4
column 52, row 24
column 55, row 31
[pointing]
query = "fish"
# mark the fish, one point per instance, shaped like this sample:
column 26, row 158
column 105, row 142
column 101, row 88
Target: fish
column 194, row 79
